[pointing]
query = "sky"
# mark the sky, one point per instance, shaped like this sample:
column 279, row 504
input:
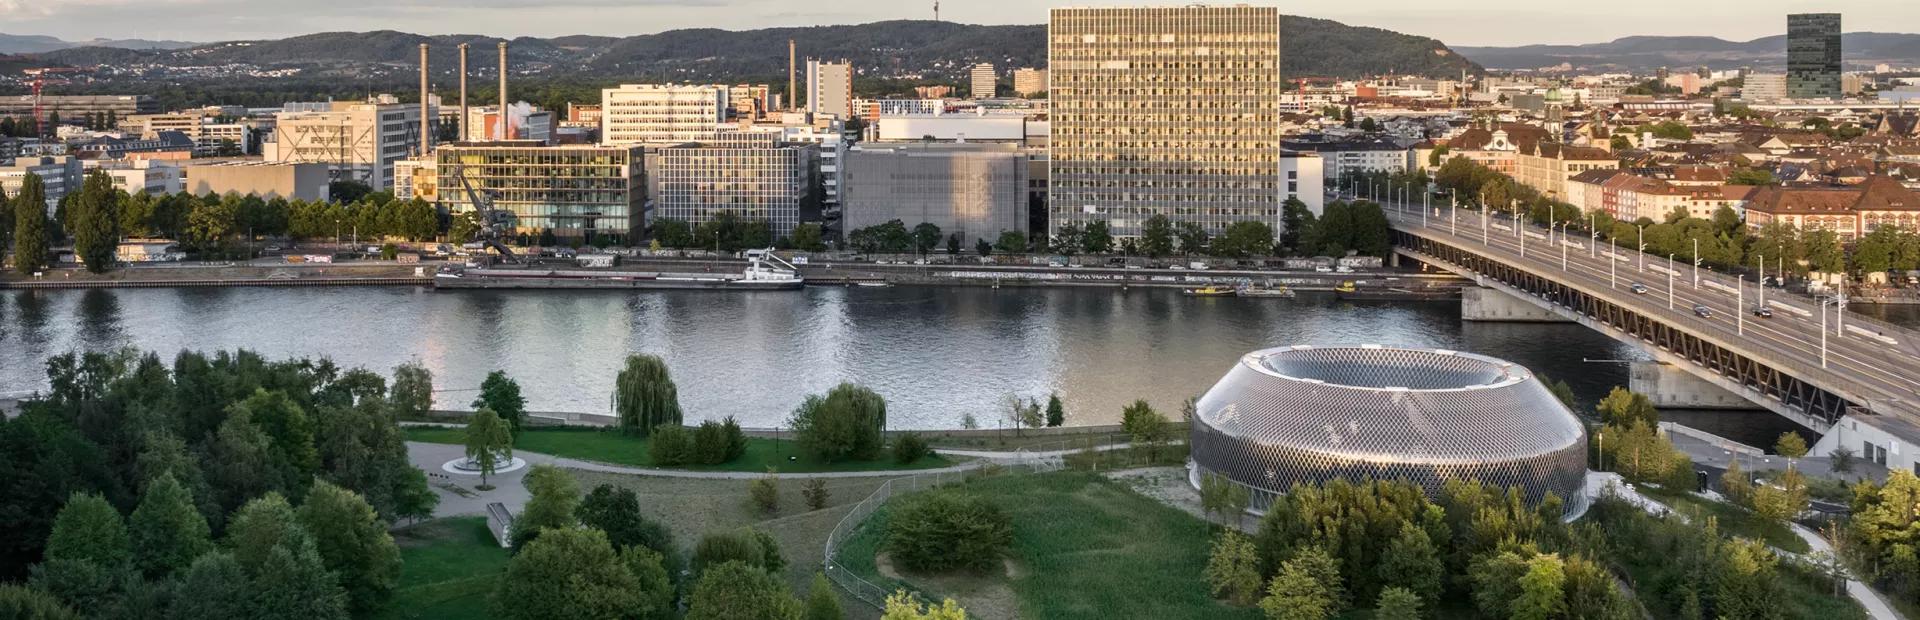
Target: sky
column 1454, row 22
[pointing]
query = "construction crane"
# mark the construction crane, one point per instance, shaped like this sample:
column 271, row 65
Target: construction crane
column 39, row 83
column 493, row 222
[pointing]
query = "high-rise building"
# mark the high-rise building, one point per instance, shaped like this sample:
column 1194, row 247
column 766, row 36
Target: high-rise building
column 358, row 141
column 983, row 81
column 1029, row 82
column 636, row 113
column 576, row 191
column 1164, row 111
column 1813, row 56
column 752, row 175
column 830, row 89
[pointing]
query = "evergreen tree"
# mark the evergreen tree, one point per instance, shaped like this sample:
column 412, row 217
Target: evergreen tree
column 292, row 583
column 167, row 531
column 615, row 510
column 96, row 222
column 19, row 602
column 31, row 249
column 353, row 543
column 1056, row 414
column 212, row 587
column 644, row 396
column 822, row 603
column 1397, row 604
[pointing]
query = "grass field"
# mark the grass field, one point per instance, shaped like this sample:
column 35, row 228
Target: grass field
column 1086, row 547
column 450, row 568
column 612, row 447
column 1734, row 520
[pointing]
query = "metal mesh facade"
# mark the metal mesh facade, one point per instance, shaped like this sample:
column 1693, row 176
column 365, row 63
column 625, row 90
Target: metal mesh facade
column 1309, row 415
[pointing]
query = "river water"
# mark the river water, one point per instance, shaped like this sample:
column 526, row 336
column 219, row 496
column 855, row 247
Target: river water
column 936, row 354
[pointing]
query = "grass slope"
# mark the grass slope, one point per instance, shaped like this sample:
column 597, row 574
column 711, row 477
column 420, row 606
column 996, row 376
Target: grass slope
column 449, row 571
column 612, row 447
column 1733, row 520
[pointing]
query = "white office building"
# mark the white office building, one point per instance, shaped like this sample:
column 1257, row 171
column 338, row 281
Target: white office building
column 637, row 113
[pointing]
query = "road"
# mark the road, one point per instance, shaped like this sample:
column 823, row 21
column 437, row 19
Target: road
column 1869, row 362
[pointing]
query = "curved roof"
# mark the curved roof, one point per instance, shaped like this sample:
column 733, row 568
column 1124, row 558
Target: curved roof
column 1373, row 403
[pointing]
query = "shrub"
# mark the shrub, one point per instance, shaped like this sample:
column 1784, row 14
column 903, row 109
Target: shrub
column 846, row 423
column 709, row 443
column 672, row 445
column 942, row 529
column 766, row 493
column 816, row 493
column 736, row 439
column 910, row 447
column 715, row 548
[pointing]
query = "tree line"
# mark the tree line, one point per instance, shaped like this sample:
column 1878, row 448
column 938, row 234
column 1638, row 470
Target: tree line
column 727, row 232
column 1359, row 227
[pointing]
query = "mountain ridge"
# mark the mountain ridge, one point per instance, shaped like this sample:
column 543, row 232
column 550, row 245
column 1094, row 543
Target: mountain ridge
column 1648, row 52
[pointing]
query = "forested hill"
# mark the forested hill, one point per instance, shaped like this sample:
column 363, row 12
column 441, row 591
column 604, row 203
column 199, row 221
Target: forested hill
column 1310, row 48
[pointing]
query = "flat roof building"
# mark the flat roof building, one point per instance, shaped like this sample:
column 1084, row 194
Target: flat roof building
column 976, row 191
column 983, row 81
column 830, row 89
column 290, row 180
column 1029, row 82
column 753, row 175
column 78, row 106
column 637, row 113
column 58, row 173
column 357, row 141
column 1813, row 56
column 576, row 191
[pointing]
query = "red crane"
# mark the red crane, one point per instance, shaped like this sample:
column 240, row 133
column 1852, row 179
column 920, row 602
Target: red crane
column 40, row 83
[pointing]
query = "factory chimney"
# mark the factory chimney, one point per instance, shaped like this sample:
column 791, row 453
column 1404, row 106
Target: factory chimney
column 463, row 91
column 426, row 116
column 506, row 126
column 792, row 89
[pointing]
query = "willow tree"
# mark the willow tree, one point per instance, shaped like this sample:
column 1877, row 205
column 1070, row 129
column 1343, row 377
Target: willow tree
column 644, row 396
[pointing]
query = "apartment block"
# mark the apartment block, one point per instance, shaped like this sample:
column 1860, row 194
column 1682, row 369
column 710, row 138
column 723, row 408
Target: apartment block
column 982, row 81
column 1029, row 82
column 577, row 191
column 830, row 89
column 638, row 113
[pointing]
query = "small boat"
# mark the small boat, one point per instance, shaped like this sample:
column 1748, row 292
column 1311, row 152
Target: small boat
column 874, row 284
column 1283, row 292
column 1211, row 291
column 1344, row 287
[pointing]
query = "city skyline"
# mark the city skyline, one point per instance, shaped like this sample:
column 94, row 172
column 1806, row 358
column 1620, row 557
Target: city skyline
column 1454, row 22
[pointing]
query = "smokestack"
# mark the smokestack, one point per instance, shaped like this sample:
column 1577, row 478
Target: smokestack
column 426, row 138
column 792, row 89
column 506, row 128
column 463, row 91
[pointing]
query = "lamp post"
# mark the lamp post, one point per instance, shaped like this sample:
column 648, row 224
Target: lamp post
column 1613, row 262
column 1670, row 271
column 1761, row 260
column 1594, row 226
column 1696, row 263
column 1563, row 245
column 1643, row 249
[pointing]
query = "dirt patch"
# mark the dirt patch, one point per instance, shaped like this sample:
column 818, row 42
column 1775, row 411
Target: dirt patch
column 985, row 595
column 1168, row 485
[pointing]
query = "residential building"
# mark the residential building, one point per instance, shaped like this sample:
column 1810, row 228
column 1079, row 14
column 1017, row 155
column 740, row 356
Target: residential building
column 752, row 175
column 637, row 113
column 1851, row 212
column 1547, row 165
column 1704, row 201
column 357, row 141
column 1123, row 152
column 1813, row 56
column 296, row 180
column 1343, row 159
column 983, row 81
column 78, row 106
column 1764, row 87
column 932, row 92
column 58, row 173
column 141, row 176
column 1029, row 82
column 976, row 191
column 1303, row 178
column 830, row 89
column 578, row 192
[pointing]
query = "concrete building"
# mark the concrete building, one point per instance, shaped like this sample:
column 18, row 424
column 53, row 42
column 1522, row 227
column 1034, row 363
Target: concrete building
column 1305, row 178
column 974, row 190
column 983, row 82
column 932, row 92
column 357, row 141
column 141, row 176
column 830, row 89
column 582, row 115
column 1029, row 82
column 290, row 180
column 58, row 173
column 1813, row 56
column 1342, row 159
column 483, row 125
column 953, row 128
column 1121, row 151
column 752, row 175
column 78, row 106
column 416, row 177
column 637, row 113
column 1764, row 87
column 750, row 101
column 832, row 143
column 579, row 192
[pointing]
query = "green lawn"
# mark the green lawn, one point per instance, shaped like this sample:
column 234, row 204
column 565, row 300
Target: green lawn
column 1734, row 520
column 608, row 446
column 450, row 568
column 1088, row 547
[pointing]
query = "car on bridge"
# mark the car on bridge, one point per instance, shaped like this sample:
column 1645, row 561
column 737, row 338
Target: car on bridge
column 1703, row 310
column 1763, row 312
column 1638, row 288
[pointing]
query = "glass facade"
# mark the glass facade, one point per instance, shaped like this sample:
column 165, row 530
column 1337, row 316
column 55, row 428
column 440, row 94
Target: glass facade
column 577, row 191
column 1171, row 111
column 1813, row 56
column 751, row 174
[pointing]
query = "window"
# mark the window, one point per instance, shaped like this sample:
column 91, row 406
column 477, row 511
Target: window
column 1293, row 174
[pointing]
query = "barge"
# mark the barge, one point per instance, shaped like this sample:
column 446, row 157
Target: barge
column 764, row 272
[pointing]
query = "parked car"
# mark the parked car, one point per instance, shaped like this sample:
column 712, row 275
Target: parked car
column 1703, row 311
column 1638, row 288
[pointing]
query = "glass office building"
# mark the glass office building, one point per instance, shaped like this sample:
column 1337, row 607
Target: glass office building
column 1813, row 56
column 1171, row 111
column 577, row 191
column 753, row 175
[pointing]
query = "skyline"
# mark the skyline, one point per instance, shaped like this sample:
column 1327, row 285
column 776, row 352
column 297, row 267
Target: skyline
column 1459, row 23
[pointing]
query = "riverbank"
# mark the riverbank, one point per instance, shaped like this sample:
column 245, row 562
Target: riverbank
column 256, row 273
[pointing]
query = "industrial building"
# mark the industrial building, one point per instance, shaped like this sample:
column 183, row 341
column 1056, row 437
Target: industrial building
column 358, row 141
column 290, row 180
column 638, row 113
column 974, row 190
column 78, row 106
column 577, row 191
column 141, row 176
column 1306, row 415
column 753, row 175
column 483, row 124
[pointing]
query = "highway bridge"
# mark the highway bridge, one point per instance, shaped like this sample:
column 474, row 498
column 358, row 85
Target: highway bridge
column 1810, row 360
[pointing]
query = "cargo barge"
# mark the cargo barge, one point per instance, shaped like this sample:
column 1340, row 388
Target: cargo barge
column 765, row 272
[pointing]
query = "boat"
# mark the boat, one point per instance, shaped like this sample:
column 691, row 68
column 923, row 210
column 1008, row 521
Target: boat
column 1402, row 294
column 764, row 272
column 874, row 284
column 1344, row 287
column 1282, row 292
column 1210, row 291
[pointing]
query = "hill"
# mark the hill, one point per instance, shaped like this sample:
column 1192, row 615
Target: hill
column 35, row 44
column 889, row 49
column 1648, row 52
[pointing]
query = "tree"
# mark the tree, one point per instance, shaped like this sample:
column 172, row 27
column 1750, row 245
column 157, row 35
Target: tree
column 1840, row 460
column 1791, row 446
column 1397, row 604
column 569, row 573
column 1011, row 242
column 1233, row 568
column 1333, row 233
column 1750, row 176
column 211, row 221
column 1623, row 409
column 766, row 492
column 1056, row 414
column 1307, row 588
column 286, row 578
column 822, row 603
column 1147, row 427
column 550, row 507
column 982, row 247
column 502, row 395
column 353, row 543
column 1541, row 590
column 1193, row 238
column 616, row 511
column 1244, row 239
column 1412, row 562
column 488, row 441
column 1068, row 240
column 167, row 531
column 815, row 492
column 1097, row 238
column 942, row 529
column 96, row 222
column 926, row 236
column 1371, row 232
column 1295, row 219
column 847, row 422
column 30, row 247
column 88, row 529
column 19, row 602
column 644, row 395
column 734, row 590
column 747, row 545
column 413, row 497
column 1020, row 413
column 1156, row 236
column 214, row 586
column 412, row 393
column 902, row 606
column 1824, row 250
column 807, row 237
column 953, row 244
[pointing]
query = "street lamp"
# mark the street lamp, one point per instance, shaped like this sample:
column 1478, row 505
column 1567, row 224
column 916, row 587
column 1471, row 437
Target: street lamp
column 1670, row 271
column 1563, row 244
column 1643, row 249
column 1594, row 226
column 1696, row 263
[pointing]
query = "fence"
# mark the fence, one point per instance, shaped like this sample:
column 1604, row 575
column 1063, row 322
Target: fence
column 854, row 584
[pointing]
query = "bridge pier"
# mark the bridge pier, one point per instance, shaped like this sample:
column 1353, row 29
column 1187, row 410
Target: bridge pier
column 1479, row 303
column 1669, row 386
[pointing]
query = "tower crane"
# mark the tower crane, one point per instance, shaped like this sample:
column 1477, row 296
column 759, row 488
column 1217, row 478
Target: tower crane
column 39, row 84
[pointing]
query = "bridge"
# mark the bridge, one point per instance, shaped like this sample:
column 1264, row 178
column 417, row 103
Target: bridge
column 1810, row 360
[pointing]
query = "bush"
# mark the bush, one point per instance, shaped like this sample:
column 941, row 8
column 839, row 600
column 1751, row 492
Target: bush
column 766, row 493
column 910, row 447
column 754, row 547
column 672, row 445
column 846, row 423
column 709, row 443
column 736, row 439
column 942, row 529
column 816, row 493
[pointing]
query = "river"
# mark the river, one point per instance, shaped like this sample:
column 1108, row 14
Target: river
column 936, row 354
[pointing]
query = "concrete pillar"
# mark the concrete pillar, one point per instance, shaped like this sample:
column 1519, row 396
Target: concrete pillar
column 1489, row 305
column 1671, row 387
